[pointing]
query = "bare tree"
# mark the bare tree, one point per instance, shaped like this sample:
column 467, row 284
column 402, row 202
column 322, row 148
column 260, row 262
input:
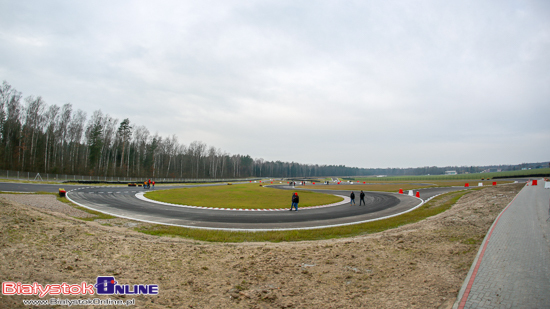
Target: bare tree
column 33, row 121
column 141, row 135
column 75, row 133
column 198, row 151
column 50, row 119
column 124, row 133
column 171, row 145
column 11, row 126
column 62, row 132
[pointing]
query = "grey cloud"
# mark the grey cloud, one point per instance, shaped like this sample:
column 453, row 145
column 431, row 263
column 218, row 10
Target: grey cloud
column 355, row 83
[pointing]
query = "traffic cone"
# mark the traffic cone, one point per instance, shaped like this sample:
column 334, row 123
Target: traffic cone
column 494, row 183
column 418, row 194
column 400, row 191
column 466, row 185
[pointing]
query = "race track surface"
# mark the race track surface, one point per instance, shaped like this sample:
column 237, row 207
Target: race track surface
column 122, row 202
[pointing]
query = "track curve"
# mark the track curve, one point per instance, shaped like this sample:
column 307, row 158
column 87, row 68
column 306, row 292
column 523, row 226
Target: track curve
column 122, row 202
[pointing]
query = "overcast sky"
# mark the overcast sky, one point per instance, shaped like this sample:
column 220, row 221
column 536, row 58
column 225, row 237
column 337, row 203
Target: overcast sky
column 360, row 83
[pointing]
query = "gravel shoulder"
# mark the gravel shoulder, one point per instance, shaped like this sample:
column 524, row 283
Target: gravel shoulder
column 420, row 265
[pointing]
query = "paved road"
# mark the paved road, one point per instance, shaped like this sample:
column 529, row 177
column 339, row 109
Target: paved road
column 512, row 269
column 121, row 201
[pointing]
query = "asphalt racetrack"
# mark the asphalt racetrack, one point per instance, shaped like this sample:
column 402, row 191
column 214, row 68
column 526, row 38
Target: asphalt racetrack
column 122, row 202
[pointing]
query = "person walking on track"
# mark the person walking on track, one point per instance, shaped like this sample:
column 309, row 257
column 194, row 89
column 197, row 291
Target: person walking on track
column 362, row 198
column 295, row 201
column 352, row 197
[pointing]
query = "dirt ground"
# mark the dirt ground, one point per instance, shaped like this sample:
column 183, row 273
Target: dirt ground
column 421, row 265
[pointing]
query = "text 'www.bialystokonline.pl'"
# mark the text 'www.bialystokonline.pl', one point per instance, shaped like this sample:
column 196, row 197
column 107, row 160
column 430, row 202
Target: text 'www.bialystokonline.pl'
column 79, row 302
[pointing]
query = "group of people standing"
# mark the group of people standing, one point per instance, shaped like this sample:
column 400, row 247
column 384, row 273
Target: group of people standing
column 296, row 199
column 147, row 184
column 361, row 198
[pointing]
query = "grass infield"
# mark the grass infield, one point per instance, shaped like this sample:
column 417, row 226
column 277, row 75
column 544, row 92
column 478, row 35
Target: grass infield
column 245, row 196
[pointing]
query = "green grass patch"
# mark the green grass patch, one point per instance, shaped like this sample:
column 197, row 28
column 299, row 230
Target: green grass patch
column 473, row 176
column 240, row 196
column 433, row 207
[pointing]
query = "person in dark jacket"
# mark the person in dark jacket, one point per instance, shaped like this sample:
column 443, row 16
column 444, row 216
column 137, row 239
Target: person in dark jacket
column 362, row 198
column 352, row 197
column 295, row 201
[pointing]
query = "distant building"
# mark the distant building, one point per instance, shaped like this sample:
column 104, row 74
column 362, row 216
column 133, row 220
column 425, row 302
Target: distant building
column 450, row 172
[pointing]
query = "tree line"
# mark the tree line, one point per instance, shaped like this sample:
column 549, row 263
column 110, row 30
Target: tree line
column 37, row 137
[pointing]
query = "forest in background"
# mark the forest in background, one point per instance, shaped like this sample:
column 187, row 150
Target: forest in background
column 37, row 137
